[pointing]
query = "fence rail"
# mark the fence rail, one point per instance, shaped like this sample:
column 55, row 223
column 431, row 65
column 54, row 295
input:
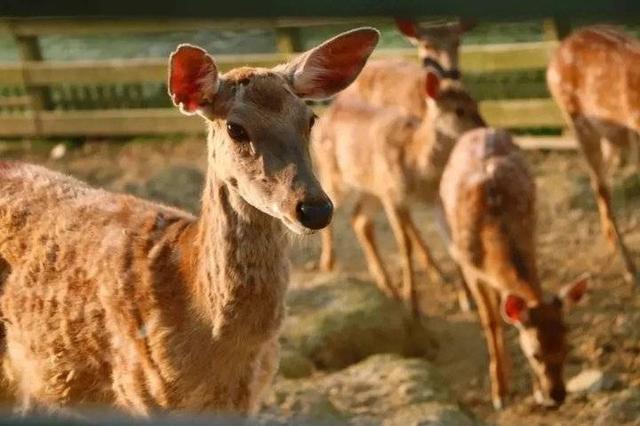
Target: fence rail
column 30, row 114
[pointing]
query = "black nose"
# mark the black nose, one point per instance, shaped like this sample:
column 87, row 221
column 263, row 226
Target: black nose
column 558, row 394
column 315, row 214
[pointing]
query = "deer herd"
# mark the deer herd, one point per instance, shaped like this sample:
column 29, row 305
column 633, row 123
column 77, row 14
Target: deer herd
column 109, row 299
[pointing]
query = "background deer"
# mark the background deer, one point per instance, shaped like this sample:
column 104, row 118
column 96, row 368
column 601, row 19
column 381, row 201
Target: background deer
column 111, row 299
column 594, row 76
column 488, row 197
column 390, row 157
column 400, row 83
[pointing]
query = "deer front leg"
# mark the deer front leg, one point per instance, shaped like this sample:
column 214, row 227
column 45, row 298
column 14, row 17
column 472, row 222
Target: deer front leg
column 492, row 327
column 398, row 217
column 463, row 293
column 417, row 242
column 327, row 258
column 363, row 227
column 589, row 141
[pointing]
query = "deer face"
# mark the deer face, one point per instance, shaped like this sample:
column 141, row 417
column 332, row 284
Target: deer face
column 451, row 108
column 260, row 124
column 543, row 339
column 437, row 44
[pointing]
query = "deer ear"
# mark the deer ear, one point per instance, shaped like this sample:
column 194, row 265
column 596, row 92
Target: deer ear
column 573, row 292
column 329, row 68
column 465, row 24
column 409, row 29
column 193, row 78
column 432, row 84
column 514, row 310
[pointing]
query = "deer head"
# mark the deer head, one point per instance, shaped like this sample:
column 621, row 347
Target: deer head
column 543, row 338
column 437, row 43
column 452, row 110
column 259, row 123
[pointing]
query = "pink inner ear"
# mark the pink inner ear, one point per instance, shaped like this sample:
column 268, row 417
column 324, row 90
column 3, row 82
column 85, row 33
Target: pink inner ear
column 514, row 306
column 190, row 67
column 407, row 27
column 335, row 64
column 432, row 85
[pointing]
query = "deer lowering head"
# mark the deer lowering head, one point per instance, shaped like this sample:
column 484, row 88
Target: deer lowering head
column 437, row 43
column 543, row 338
column 259, row 123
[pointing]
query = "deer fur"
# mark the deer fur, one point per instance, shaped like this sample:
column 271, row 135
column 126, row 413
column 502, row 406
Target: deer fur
column 109, row 299
column 488, row 198
column 594, row 77
column 390, row 157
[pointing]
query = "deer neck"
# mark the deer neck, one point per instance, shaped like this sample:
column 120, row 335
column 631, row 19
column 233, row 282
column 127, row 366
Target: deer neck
column 241, row 265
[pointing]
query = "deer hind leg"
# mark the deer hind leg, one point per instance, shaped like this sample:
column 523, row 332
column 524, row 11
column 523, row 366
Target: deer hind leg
column 363, row 226
column 488, row 304
column 327, row 255
column 398, row 218
column 331, row 185
column 418, row 244
column 589, row 141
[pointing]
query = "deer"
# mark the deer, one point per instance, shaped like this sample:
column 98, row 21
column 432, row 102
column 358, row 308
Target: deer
column 389, row 158
column 488, row 203
column 400, row 83
column 594, row 77
column 110, row 299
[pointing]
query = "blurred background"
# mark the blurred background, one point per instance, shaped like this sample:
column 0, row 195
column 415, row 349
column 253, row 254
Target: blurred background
column 88, row 96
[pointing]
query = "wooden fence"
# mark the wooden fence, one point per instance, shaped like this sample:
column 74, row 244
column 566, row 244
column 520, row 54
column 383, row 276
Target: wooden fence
column 30, row 113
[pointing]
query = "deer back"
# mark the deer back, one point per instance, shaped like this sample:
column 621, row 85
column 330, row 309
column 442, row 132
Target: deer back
column 488, row 196
column 596, row 73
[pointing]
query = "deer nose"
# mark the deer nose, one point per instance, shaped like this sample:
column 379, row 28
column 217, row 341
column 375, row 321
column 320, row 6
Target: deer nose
column 315, row 214
column 558, row 394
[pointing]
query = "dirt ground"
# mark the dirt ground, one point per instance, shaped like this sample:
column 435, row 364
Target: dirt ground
column 604, row 328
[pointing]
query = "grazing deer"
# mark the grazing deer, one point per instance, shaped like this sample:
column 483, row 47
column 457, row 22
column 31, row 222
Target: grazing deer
column 488, row 197
column 111, row 299
column 389, row 156
column 400, row 83
column 594, row 77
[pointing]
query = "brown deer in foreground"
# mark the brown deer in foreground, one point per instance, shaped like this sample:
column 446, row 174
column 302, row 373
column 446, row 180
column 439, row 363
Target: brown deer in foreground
column 594, row 77
column 488, row 197
column 115, row 300
column 390, row 157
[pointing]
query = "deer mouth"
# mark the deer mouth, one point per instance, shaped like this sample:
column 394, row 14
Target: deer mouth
column 296, row 227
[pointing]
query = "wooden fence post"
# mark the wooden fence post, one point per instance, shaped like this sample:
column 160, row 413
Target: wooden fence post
column 39, row 96
column 556, row 28
column 288, row 40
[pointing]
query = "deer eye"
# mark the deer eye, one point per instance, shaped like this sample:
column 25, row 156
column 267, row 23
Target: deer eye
column 459, row 112
column 312, row 121
column 537, row 356
column 237, row 132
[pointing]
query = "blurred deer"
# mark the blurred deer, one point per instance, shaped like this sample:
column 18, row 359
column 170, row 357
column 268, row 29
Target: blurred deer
column 390, row 157
column 594, row 77
column 400, row 83
column 488, row 197
column 114, row 300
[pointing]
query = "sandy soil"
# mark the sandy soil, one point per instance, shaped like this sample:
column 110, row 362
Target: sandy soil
column 604, row 329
